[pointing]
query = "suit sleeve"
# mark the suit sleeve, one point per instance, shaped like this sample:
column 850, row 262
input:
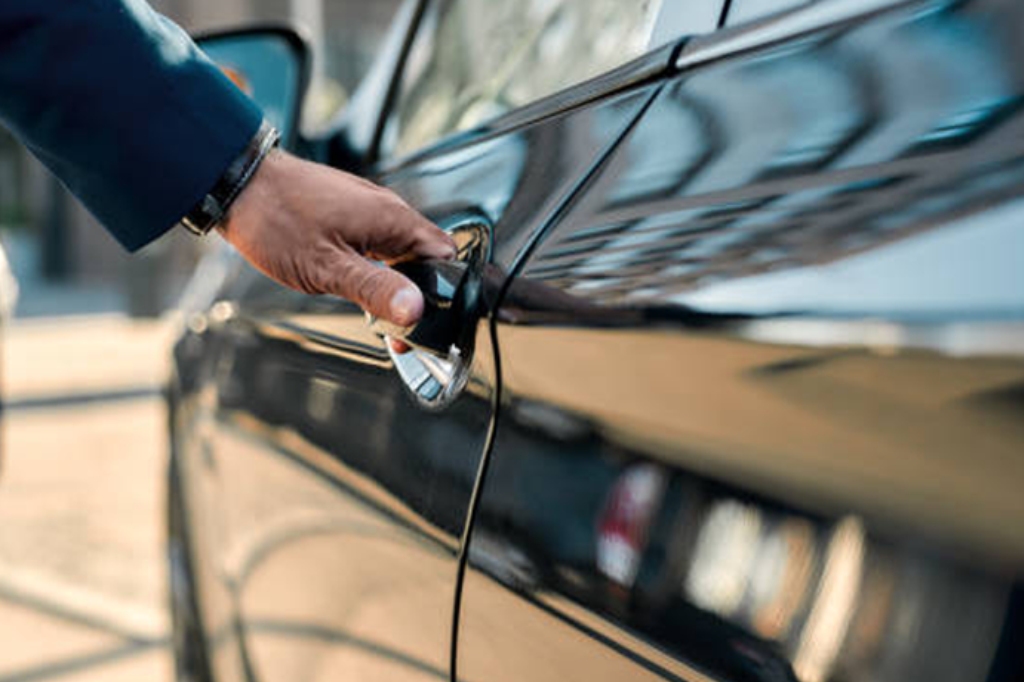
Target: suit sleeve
column 120, row 104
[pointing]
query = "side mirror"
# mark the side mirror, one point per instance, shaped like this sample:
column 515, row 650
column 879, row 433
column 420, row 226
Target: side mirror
column 271, row 65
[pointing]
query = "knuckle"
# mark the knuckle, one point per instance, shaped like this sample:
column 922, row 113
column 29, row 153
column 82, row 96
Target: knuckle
column 391, row 215
column 370, row 288
column 324, row 272
column 294, row 272
column 319, row 274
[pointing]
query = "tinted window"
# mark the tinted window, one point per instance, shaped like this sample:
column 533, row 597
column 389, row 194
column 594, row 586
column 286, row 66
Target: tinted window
column 476, row 59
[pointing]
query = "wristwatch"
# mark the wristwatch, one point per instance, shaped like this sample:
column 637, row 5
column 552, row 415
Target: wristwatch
column 213, row 208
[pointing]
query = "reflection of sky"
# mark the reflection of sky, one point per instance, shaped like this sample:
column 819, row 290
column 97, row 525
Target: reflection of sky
column 654, row 167
column 975, row 267
column 942, row 71
column 483, row 175
column 886, row 92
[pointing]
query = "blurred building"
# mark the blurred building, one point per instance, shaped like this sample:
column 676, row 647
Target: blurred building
column 71, row 248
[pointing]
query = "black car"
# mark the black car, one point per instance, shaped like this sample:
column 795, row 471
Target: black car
column 727, row 383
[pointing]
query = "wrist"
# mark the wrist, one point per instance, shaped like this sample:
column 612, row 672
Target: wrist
column 214, row 208
column 259, row 201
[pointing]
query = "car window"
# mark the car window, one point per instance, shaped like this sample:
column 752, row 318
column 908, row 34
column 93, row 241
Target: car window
column 476, row 59
column 741, row 11
column 678, row 18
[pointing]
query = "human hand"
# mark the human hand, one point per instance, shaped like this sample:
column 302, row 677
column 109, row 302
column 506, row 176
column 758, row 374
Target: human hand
column 317, row 230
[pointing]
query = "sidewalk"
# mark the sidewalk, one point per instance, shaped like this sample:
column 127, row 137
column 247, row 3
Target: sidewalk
column 82, row 574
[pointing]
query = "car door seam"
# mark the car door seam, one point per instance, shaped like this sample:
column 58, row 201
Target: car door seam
column 576, row 190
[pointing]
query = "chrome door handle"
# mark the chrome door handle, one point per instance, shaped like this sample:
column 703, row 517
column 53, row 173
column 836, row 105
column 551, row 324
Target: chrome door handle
column 450, row 295
column 442, row 341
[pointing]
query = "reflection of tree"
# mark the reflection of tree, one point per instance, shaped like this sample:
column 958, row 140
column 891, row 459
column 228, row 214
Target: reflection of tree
column 485, row 58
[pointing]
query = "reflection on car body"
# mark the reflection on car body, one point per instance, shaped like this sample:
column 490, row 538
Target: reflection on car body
column 744, row 399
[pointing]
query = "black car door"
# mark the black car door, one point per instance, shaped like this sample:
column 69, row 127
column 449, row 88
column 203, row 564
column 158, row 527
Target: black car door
column 760, row 411
column 339, row 474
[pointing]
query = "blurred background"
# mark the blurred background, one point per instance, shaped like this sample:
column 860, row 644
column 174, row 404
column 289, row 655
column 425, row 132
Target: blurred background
column 84, row 354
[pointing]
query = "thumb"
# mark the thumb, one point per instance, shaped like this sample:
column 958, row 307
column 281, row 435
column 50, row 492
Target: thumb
column 380, row 291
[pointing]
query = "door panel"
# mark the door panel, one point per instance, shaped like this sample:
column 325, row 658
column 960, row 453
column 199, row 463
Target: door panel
column 333, row 501
column 760, row 414
column 336, row 531
column 518, row 174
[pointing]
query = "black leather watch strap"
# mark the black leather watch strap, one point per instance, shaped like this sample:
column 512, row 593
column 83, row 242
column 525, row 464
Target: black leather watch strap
column 213, row 208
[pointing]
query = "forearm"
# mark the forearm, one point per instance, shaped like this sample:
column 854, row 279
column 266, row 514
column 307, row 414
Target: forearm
column 119, row 103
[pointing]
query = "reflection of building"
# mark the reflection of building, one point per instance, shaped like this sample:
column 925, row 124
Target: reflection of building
column 76, row 249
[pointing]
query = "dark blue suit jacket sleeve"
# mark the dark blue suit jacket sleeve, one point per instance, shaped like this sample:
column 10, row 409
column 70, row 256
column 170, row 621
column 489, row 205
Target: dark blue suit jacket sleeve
column 118, row 102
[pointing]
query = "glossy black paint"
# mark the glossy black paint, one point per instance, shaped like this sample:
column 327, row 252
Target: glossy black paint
column 312, row 465
column 744, row 401
column 331, row 504
column 778, row 434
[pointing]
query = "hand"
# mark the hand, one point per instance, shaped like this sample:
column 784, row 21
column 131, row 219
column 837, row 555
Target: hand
column 316, row 229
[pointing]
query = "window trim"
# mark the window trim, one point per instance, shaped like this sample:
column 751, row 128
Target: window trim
column 778, row 28
column 645, row 69
column 652, row 65
column 352, row 142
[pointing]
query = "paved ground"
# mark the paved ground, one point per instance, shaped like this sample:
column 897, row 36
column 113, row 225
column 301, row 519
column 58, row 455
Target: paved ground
column 81, row 567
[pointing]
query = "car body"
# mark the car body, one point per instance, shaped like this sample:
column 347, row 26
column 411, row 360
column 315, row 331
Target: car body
column 739, row 395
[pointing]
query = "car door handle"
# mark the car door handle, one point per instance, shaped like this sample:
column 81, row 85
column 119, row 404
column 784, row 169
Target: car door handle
column 436, row 368
column 450, row 295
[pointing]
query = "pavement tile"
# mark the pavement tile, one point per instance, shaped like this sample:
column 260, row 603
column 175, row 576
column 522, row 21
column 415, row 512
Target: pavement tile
column 32, row 638
column 145, row 665
column 86, row 354
column 82, row 572
column 81, row 510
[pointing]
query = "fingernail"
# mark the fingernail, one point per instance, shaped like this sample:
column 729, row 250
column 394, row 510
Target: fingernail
column 445, row 251
column 406, row 306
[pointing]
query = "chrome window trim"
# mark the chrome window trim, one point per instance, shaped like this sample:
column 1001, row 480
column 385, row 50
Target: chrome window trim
column 795, row 23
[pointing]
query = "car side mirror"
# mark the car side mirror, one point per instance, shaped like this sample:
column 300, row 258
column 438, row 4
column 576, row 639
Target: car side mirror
column 271, row 65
